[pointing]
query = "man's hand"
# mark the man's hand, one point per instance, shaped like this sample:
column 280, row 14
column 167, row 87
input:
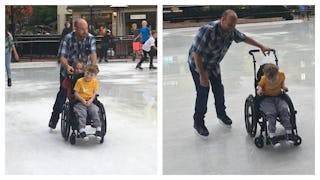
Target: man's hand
column 69, row 69
column 265, row 49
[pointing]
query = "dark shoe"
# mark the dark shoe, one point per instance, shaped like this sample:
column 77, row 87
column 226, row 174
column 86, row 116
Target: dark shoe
column 140, row 68
column 9, row 82
column 106, row 60
column 291, row 138
column 52, row 125
column 201, row 130
column 275, row 142
column 225, row 119
column 84, row 136
column 53, row 121
column 152, row 67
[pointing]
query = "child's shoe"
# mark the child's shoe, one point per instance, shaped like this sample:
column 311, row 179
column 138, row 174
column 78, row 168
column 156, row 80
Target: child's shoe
column 275, row 142
column 290, row 138
column 84, row 136
column 98, row 136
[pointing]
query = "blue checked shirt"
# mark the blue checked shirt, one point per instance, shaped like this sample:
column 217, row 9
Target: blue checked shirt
column 211, row 44
column 73, row 50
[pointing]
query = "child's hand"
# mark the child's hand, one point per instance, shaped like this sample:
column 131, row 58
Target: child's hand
column 84, row 102
column 89, row 102
column 285, row 89
column 259, row 92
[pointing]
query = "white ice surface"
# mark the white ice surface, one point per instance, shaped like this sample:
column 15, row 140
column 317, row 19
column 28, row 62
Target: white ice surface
column 129, row 97
column 232, row 151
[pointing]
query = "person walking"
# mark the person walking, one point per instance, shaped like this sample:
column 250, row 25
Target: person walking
column 77, row 45
column 207, row 51
column 9, row 44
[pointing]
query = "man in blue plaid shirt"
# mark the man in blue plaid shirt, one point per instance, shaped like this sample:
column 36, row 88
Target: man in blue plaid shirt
column 78, row 45
column 207, row 51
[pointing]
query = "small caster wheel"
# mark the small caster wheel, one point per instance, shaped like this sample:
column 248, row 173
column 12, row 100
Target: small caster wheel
column 297, row 141
column 73, row 139
column 258, row 141
column 102, row 139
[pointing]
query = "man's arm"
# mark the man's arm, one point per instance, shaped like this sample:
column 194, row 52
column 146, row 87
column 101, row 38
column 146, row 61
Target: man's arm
column 93, row 58
column 64, row 62
column 263, row 48
column 204, row 81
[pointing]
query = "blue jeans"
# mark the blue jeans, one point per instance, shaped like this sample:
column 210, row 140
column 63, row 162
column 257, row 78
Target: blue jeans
column 202, row 96
column 8, row 61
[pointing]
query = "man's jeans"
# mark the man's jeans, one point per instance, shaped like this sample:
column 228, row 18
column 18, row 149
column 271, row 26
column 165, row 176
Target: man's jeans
column 202, row 96
column 57, row 107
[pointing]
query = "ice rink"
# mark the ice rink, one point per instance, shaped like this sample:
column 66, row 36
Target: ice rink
column 231, row 150
column 130, row 146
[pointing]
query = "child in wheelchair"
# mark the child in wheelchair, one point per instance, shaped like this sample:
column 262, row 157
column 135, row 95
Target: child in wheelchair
column 85, row 93
column 271, row 85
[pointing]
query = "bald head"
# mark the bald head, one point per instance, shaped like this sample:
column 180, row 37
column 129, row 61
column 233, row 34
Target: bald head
column 229, row 12
column 229, row 20
column 81, row 28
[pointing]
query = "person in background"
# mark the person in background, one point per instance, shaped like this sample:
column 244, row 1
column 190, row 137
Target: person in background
column 136, row 44
column 150, row 48
column 66, row 30
column 107, row 44
column 10, row 48
column 102, row 31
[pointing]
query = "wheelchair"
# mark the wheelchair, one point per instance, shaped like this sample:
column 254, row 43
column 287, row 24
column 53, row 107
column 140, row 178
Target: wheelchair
column 254, row 116
column 69, row 121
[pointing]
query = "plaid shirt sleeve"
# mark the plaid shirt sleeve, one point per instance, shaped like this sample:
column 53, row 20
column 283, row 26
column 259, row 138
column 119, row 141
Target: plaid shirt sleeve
column 93, row 44
column 202, row 39
column 63, row 50
column 239, row 36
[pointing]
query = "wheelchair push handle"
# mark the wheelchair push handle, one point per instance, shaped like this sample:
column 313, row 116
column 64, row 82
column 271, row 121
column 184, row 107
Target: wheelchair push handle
column 253, row 51
column 258, row 50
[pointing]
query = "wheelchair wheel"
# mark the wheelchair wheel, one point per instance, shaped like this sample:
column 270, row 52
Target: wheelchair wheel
column 297, row 141
column 250, row 116
column 103, row 119
column 258, row 141
column 65, row 121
